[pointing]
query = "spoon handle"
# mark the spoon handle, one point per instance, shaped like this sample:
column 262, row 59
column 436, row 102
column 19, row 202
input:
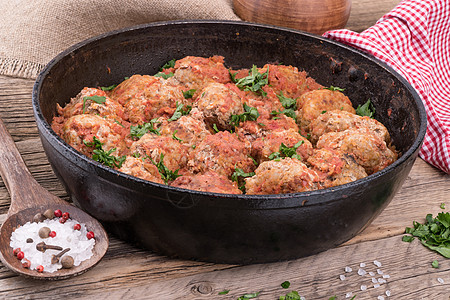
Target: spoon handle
column 24, row 190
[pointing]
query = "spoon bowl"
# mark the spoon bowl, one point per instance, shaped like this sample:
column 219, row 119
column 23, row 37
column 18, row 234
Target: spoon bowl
column 29, row 198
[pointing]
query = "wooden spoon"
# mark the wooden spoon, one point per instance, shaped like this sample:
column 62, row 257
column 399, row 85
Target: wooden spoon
column 29, row 198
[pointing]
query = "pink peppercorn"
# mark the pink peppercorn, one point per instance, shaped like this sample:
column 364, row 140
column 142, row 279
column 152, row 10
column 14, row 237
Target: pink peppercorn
column 20, row 255
column 15, row 251
column 77, row 227
column 52, row 234
column 40, row 268
column 26, row 264
column 58, row 213
column 90, row 235
column 62, row 220
column 66, row 215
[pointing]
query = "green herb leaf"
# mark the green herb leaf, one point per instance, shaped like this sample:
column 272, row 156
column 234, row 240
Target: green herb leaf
column 108, row 88
column 166, row 174
column 332, row 298
column 435, row 264
column 366, row 109
column 188, row 94
column 180, row 111
column 249, row 296
column 95, row 98
column 224, row 292
column 285, row 151
column 287, row 103
column 215, row 128
column 294, row 295
column 164, row 75
column 102, row 156
column 139, row 130
column 442, row 206
column 408, row 238
column 250, row 114
column 239, row 174
column 286, row 285
column 334, row 88
column 253, row 82
column 169, row 64
column 176, row 138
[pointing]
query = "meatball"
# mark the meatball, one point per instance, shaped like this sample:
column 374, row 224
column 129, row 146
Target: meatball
column 138, row 168
column 335, row 167
column 221, row 152
column 288, row 175
column 104, row 106
column 312, row 104
column 207, row 182
column 263, row 147
column 218, row 103
column 196, row 72
column 334, row 121
column 156, row 100
column 128, row 89
column 152, row 148
column 188, row 130
column 369, row 150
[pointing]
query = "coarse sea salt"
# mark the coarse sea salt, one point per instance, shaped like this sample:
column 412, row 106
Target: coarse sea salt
column 348, row 269
column 440, row 280
column 361, row 272
column 377, row 263
column 66, row 237
column 342, row 277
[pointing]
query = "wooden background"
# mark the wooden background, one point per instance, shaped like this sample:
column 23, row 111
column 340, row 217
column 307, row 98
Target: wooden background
column 127, row 272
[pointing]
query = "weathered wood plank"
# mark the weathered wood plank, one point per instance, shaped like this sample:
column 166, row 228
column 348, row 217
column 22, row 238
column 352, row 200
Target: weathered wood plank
column 365, row 13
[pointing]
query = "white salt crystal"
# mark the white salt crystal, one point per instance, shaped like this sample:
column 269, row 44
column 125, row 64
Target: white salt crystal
column 363, row 287
column 66, row 237
column 386, row 276
column 388, row 293
column 376, row 286
column 348, row 269
column 377, row 263
column 372, row 274
column 380, row 298
column 342, row 277
column 348, row 295
column 381, row 280
column 361, row 272
column 302, row 298
column 379, row 271
column 374, row 280
column 440, row 280
column 362, row 265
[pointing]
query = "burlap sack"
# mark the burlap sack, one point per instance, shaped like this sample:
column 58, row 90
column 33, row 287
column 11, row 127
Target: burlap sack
column 33, row 32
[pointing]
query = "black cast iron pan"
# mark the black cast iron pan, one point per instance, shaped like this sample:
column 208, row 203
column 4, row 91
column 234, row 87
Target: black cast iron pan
column 219, row 227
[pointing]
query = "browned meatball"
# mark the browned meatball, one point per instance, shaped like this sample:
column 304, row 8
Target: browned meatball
column 369, row 150
column 187, row 130
column 288, row 175
column 207, row 182
column 150, row 147
column 263, row 147
column 195, row 72
column 156, row 100
column 138, row 168
column 218, row 103
column 80, row 128
column 128, row 88
column 312, row 104
column 102, row 105
column 335, row 167
column 334, row 121
column 221, row 152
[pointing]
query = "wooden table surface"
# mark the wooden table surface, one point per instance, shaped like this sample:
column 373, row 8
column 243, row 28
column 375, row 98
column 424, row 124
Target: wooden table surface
column 127, row 272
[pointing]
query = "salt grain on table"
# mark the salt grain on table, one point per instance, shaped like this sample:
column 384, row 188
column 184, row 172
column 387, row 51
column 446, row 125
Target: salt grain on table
column 342, row 277
column 363, row 287
column 440, row 280
column 361, row 272
column 386, row 276
column 348, row 269
column 388, row 293
column 372, row 274
column 379, row 271
column 376, row 286
column 362, row 265
column 377, row 263
column 380, row 298
column 66, row 237
column 348, row 295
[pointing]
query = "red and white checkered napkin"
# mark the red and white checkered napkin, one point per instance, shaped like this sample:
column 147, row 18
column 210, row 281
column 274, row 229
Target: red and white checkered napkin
column 414, row 39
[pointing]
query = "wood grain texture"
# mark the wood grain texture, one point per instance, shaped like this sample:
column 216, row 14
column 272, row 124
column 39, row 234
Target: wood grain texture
column 365, row 13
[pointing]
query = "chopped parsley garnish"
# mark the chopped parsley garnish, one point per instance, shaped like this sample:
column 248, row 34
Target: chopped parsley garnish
column 334, row 88
column 250, row 114
column 95, row 98
column 285, row 151
column 249, row 296
column 102, row 156
column 286, row 285
column 294, row 295
column 366, row 109
column 115, row 121
column 188, row 94
column 224, row 292
column 287, row 103
column 139, row 130
column 215, row 128
column 408, row 238
column 180, row 111
column 434, row 233
column 175, row 137
column 164, row 75
column 442, row 206
column 166, row 174
column 108, row 88
column 288, row 112
column 253, row 82
column 169, row 64
column 239, row 173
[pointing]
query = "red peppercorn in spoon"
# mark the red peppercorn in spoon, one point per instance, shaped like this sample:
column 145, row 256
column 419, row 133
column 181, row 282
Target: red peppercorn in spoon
column 29, row 198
